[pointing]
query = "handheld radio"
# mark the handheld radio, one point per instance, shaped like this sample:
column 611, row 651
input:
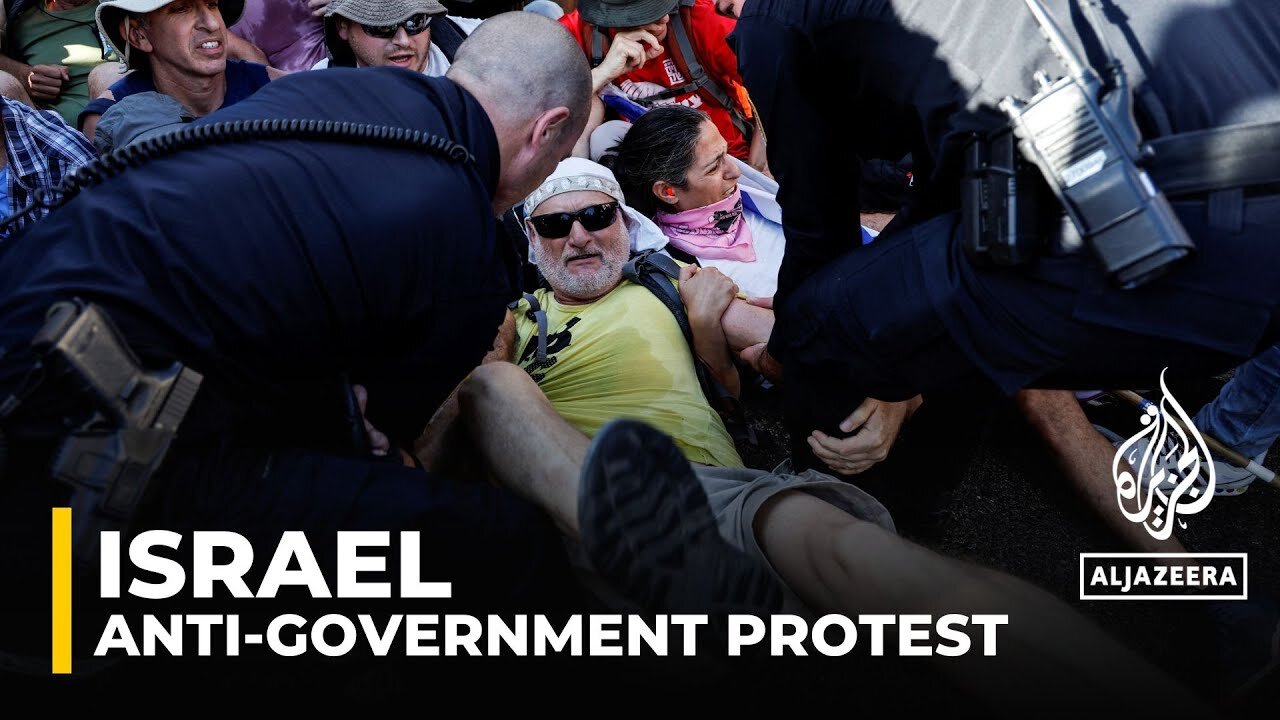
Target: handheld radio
column 1083, row 138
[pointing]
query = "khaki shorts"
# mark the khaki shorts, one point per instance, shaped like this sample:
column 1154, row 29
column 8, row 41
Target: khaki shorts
column 735, row 496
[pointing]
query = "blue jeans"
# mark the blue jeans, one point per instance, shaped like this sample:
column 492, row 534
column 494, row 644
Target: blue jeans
column 1246, row 414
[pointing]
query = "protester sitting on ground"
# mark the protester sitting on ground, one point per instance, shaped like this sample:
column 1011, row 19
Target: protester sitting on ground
column 649, row 50
column 39, row 150
column 674, row 167
column 50, row 48
column 610, row 347
column 599, row 324
column 178, row 48
column 413, row 34
column 655, row 526
column 673, row 158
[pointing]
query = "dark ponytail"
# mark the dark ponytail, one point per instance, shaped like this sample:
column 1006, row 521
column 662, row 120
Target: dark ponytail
column 658, row 146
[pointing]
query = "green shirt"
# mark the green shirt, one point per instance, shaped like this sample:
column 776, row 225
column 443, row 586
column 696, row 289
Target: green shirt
column 60, row 37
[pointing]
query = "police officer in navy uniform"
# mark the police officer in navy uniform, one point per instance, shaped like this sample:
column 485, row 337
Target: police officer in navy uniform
column 284, row 272
column 915, row 312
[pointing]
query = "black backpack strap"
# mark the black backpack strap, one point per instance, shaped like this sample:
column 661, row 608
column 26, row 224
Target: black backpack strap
column 640, row 270
column 664, row 264
column 681, row 256
column 539, row 316
column 598, row 40
column 698, row 78
column 648, row 269
column 446, row 35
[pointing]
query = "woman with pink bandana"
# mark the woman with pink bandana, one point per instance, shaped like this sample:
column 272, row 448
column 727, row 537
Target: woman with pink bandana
column 674, row 166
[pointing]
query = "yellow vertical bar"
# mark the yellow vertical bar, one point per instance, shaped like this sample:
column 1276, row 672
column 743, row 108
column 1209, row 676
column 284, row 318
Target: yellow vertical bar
column 62, row 591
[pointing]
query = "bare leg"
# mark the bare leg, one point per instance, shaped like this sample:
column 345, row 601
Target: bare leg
column 531, row 449
column 12, row 88
column 837, row 563
column 648, row 531
column 1085, row 456
column 1047, row 655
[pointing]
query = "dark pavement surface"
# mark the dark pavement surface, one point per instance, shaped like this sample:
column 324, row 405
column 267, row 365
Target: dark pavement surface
column 980, row 485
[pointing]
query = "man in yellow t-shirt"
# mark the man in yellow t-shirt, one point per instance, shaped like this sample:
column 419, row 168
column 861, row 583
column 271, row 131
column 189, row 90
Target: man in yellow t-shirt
column 668, row 535
column 623, row 355
column 598, row 348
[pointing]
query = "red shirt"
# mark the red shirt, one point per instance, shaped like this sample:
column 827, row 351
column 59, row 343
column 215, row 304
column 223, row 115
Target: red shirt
column 707, row 32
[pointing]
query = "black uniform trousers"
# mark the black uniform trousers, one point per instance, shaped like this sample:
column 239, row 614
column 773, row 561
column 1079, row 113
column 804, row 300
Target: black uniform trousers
column 911, row 314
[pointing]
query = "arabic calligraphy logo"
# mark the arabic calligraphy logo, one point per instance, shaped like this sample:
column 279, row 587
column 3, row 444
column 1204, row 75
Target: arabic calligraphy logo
column 1169, row 455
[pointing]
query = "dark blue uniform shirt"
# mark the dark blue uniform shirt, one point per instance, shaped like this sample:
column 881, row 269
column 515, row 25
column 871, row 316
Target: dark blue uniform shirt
column 274, row 267
column 920, row 76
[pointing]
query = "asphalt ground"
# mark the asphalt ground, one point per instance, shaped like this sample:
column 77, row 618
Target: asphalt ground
column 972, row 480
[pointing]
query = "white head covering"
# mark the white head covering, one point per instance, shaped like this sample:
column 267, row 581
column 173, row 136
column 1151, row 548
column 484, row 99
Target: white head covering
column 576, row 174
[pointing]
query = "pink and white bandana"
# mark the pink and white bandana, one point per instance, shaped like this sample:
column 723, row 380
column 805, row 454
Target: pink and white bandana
column 715, row 232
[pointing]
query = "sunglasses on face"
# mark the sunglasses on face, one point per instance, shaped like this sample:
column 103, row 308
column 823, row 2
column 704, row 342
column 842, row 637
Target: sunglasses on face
column 413, row 25
column 557, row 225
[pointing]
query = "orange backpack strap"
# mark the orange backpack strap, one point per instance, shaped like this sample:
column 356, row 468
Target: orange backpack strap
column 687, row 61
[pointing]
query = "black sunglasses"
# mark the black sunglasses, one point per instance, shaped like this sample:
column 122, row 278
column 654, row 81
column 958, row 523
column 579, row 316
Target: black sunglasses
column 414, row 25
column 593, row 217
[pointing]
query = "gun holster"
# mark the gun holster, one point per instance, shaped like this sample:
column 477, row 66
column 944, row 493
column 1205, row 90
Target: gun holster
column 110, row 459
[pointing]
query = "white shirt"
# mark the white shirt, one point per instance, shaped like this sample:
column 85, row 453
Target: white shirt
column 759, row 278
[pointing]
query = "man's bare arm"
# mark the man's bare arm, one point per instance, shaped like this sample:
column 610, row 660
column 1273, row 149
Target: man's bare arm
column 707, row 293
column 746, row 324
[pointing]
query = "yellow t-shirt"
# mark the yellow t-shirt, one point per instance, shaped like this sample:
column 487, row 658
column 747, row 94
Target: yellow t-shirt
column 623, row 356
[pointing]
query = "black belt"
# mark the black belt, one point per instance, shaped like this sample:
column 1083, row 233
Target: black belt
column 1236, row 156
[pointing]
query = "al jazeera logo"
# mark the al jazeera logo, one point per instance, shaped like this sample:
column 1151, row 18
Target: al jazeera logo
column 1163, row 474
